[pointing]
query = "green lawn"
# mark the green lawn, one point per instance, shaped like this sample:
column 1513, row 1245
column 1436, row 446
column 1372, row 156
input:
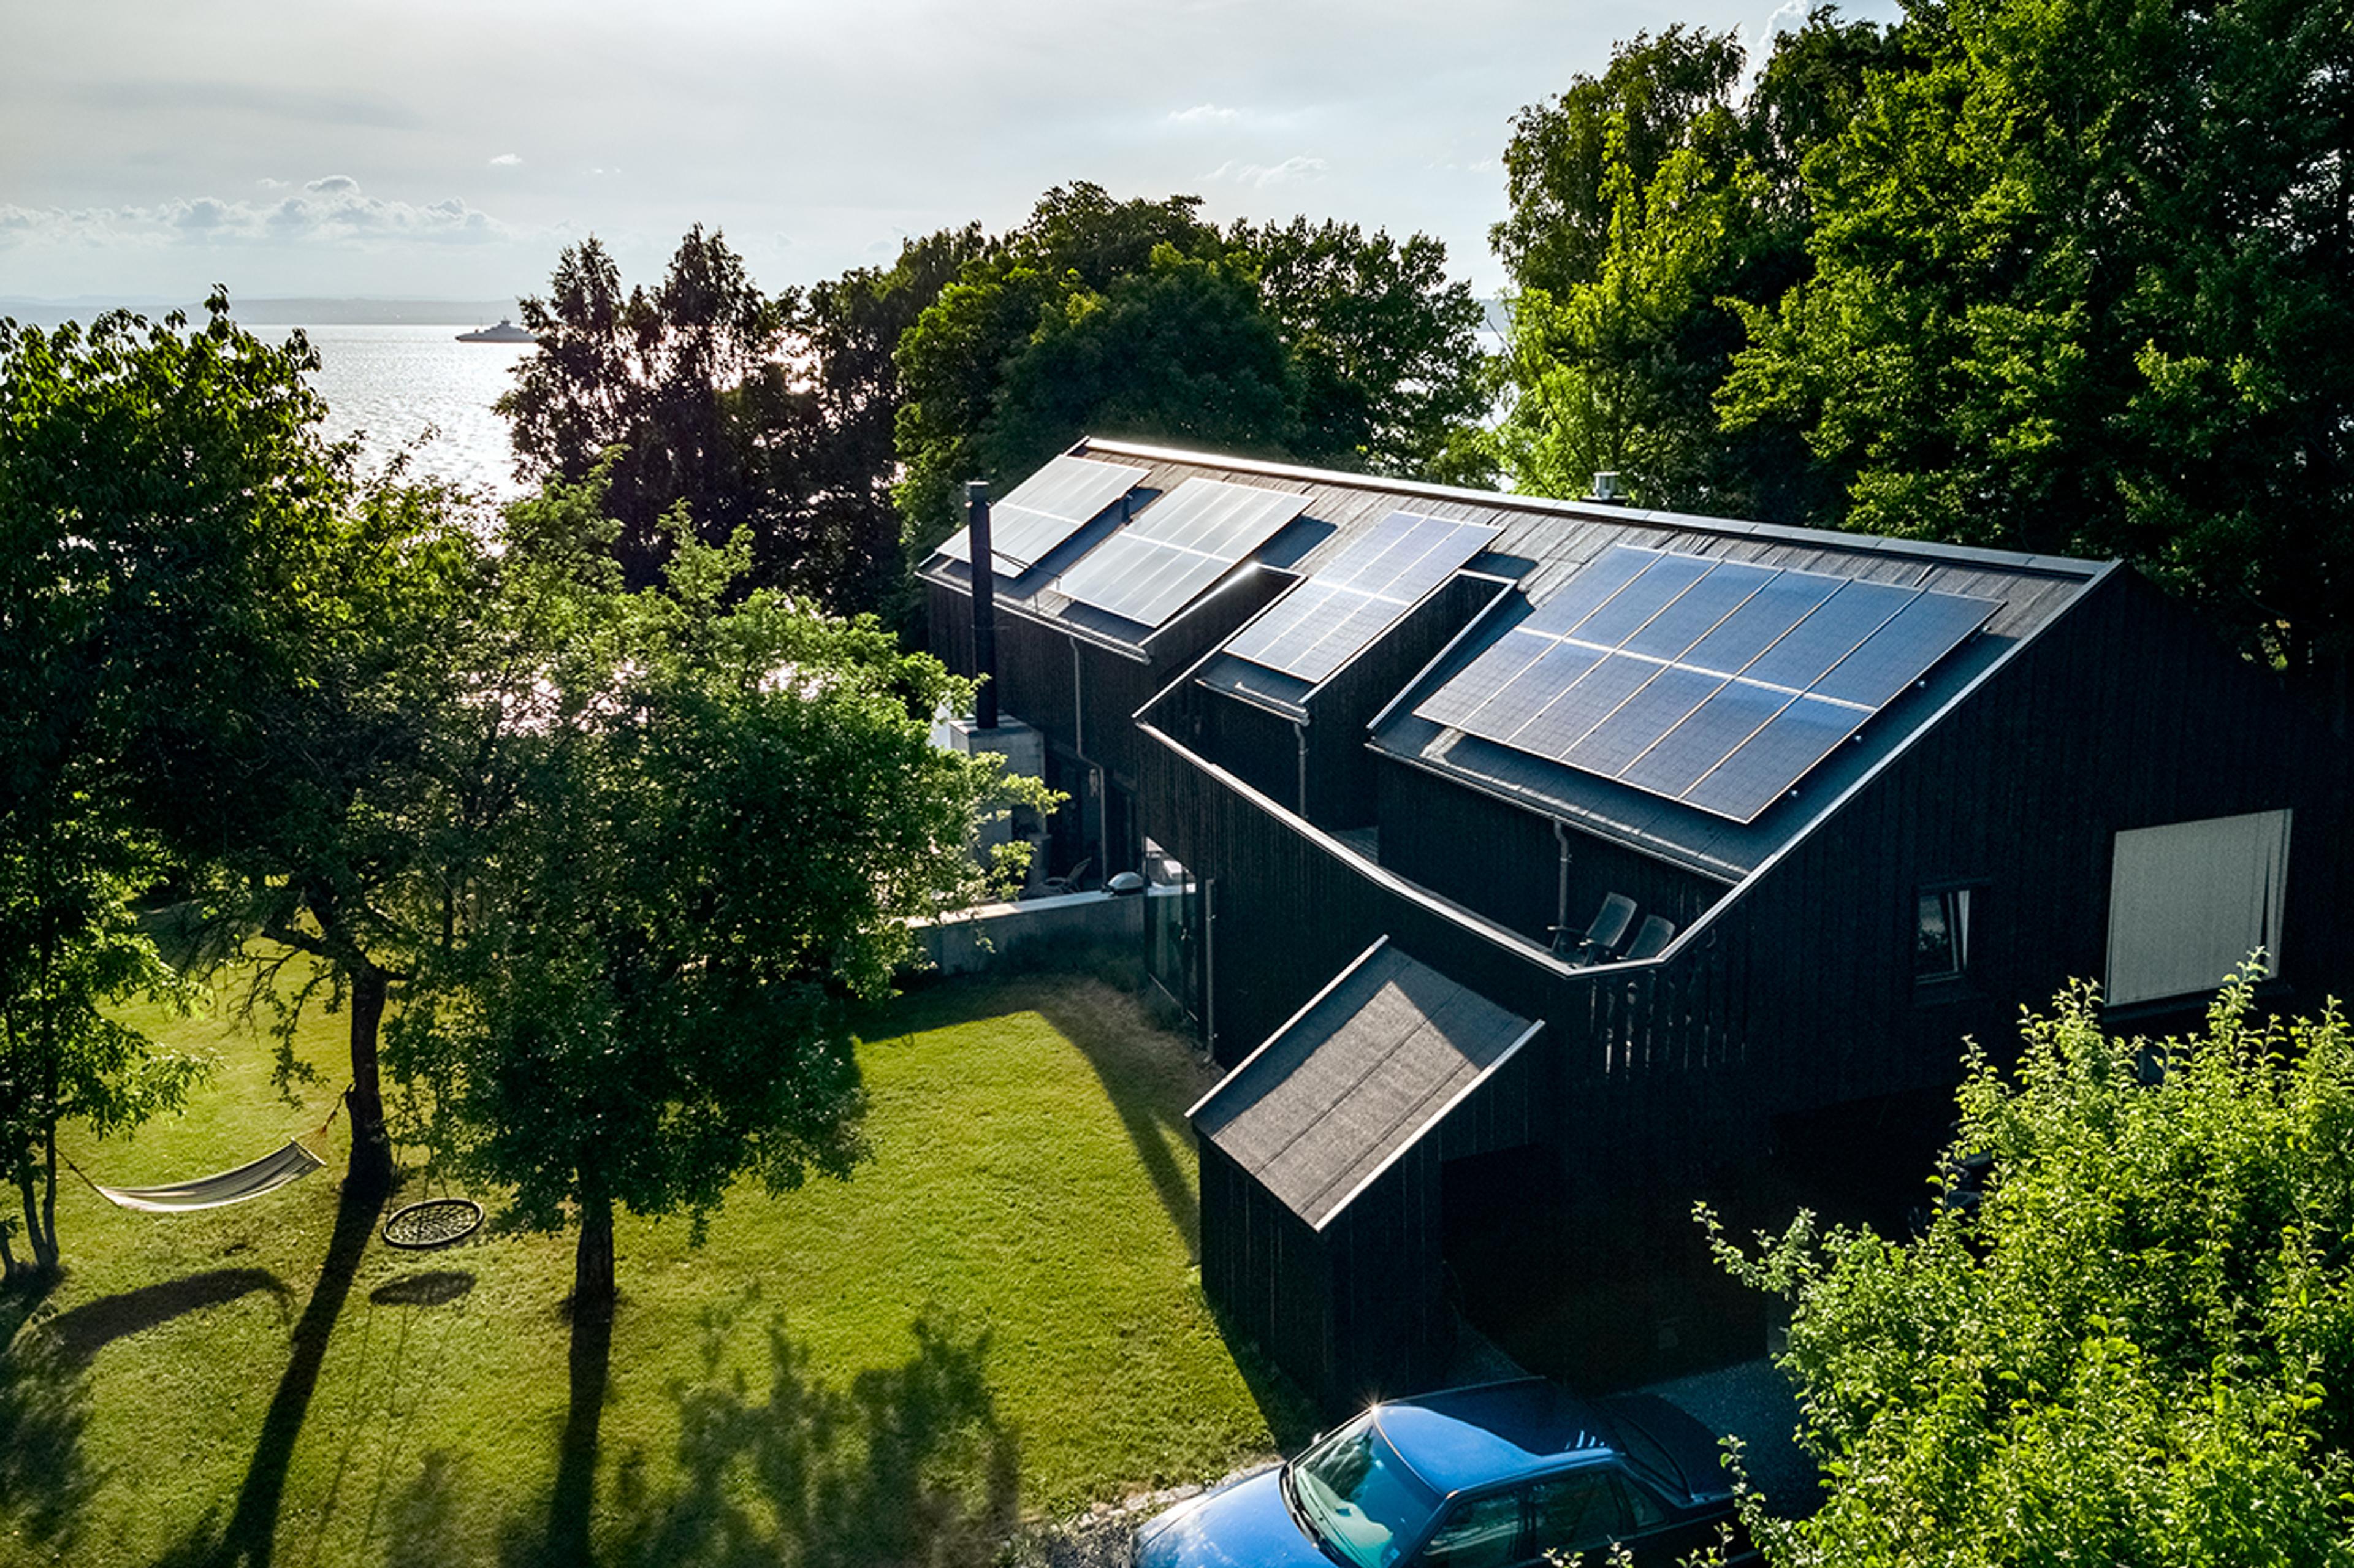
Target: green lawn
column 997, row 1316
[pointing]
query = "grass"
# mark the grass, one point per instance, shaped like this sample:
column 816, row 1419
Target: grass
column 998, row 1316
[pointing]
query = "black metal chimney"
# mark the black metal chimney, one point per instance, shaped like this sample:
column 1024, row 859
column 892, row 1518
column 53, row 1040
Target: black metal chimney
column 985, row 604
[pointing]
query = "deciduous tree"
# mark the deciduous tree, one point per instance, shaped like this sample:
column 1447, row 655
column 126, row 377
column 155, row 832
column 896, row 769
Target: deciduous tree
column 2135, row 1347
column 724, row 812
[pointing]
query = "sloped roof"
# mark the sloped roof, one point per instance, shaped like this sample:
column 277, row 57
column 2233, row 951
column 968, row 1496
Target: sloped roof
column 1544, row 543
column 1376, row 1061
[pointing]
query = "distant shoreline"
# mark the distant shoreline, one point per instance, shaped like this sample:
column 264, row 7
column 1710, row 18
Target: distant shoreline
column 51, row 313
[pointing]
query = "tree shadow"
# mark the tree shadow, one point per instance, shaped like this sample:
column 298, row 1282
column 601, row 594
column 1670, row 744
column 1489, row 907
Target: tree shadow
column 910, row 1464
column 89, row 1328
column 432, row 1287
column 250, row 1536
column 1154, row 1124
column 44, row 1481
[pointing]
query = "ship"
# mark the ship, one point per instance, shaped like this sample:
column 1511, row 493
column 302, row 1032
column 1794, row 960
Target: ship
column 506, row 332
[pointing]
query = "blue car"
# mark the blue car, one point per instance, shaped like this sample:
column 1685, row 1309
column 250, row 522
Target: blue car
column 1493, row 1477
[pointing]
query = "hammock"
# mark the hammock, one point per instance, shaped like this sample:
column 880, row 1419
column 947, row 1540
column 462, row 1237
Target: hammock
column 266, row 1174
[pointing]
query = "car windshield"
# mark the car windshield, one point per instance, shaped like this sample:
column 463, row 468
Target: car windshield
column 1354, row 1492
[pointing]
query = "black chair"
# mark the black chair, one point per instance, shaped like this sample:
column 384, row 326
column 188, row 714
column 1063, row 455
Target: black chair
column 1653, row 938
column 1600, row 943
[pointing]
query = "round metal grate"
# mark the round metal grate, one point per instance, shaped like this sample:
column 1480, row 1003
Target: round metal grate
column 436, row 1221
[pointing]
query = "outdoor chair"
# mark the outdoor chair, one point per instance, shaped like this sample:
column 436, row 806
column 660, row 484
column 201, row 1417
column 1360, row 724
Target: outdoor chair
column 1650, row 942
column 1600, row 943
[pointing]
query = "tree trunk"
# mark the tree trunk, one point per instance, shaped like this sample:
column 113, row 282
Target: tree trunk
column 371, row 1167
column 44, row 1239
column 592, row 1265
column 43, row 1242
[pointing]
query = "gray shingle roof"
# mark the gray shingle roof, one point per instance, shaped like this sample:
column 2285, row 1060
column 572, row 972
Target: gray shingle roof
column 1349, row 1084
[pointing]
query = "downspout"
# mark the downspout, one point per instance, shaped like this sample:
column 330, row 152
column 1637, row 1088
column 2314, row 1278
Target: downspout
column 1078, row 713
column 1560, row 885
column 984, row 605
column 1299, row 728
column 1209, row 964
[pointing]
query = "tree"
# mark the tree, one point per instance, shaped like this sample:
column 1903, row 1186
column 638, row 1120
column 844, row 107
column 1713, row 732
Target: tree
column 1380, row 366
column 1180, row 351
column 1386, row 343
column 2079, row 286
column 1650, row 205
column 688, row 380
column 851, row 329
column 723, row 812
column 2136, row 1347
column 161, row 491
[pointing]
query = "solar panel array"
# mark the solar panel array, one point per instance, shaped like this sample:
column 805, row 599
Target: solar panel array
column 1322, row 623
column 1177, row 546
column 1046, row 509
column 1712, row 682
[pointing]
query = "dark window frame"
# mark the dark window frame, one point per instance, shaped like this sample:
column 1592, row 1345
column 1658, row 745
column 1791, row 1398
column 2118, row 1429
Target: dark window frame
column 1954, row 902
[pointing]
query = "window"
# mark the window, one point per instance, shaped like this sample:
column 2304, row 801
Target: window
column 2189, row 902
column 1480, row 1533
column 1941, row 935
column 1575, row 1513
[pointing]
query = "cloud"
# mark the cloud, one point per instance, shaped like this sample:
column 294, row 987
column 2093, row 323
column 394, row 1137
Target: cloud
column 1205, row 114
column 332, row 212
column 1299, row 169
column 506, row 160
column 173, row 98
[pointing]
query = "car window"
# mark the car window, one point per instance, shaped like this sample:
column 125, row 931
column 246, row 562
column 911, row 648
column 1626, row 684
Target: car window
column 1478, row 1533
column 1363, row 1504
column 1643, row 1510
column 1574, row 1514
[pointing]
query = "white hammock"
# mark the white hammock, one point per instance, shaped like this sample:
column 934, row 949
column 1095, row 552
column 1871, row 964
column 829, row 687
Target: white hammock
column 266, row 1174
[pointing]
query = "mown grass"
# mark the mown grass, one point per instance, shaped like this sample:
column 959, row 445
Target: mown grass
column 997, row 1316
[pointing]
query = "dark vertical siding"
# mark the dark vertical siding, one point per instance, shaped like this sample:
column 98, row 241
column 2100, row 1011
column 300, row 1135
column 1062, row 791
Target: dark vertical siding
column 1514, row 878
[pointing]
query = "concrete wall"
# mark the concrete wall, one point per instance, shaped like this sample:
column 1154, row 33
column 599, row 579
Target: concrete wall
column 973, row 940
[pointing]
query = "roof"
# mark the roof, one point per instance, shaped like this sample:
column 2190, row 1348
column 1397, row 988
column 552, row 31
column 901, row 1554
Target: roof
column 1375, row 1061
column 1542, row 544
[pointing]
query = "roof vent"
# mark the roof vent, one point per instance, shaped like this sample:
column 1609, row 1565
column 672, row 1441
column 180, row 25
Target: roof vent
column 1607, row 488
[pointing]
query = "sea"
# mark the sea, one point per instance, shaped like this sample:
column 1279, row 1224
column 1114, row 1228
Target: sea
column 415, row 388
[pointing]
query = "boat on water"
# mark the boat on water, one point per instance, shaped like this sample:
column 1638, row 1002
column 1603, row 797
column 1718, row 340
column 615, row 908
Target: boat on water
column 506, row 332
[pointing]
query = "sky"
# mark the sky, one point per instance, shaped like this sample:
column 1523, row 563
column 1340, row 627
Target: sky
column 424, row 149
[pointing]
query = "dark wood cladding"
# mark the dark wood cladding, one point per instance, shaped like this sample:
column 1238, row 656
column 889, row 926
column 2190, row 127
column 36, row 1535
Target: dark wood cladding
column 1341, row 782
column 1515, row 877
column 1799, row 994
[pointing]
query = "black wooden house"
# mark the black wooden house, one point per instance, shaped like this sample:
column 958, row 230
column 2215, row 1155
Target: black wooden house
column 1542, row 866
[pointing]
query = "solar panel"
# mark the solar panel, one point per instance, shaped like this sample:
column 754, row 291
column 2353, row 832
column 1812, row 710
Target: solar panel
column 1717, row 684
column 1177, row 546
column 1324, row 622
column 1046, row 509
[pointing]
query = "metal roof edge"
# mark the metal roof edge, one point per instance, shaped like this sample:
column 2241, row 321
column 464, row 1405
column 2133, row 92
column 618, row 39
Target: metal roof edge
column 1828, row 538
column 1501, row 936
column 1053, row 623
column 1360, row 961
column 1400, row 1152
column 1504, row 586
column 2107, row 573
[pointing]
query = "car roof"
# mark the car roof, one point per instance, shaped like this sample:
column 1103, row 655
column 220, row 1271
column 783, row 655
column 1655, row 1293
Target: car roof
column 1496, row 1431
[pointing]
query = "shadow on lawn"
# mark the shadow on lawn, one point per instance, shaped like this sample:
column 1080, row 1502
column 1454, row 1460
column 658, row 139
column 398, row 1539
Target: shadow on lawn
column 1138, row 1088
column 910, row 1464
column 44, row 1483
column 89, row 1328
column 252, row 1531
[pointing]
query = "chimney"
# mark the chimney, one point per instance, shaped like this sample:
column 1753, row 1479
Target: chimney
column 1607, row 487
column 985, row 604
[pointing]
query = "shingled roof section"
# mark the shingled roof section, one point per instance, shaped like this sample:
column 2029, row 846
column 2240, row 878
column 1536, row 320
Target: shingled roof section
column 1369, row 1066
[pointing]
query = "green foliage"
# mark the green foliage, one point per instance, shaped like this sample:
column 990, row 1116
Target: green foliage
column 2079, row 285
column 1139, row 317
column 1650, row 206
column 1386, row 346
column 2137, row 1347
column 1180, row 351
column 160, row 490
column 717, row 814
